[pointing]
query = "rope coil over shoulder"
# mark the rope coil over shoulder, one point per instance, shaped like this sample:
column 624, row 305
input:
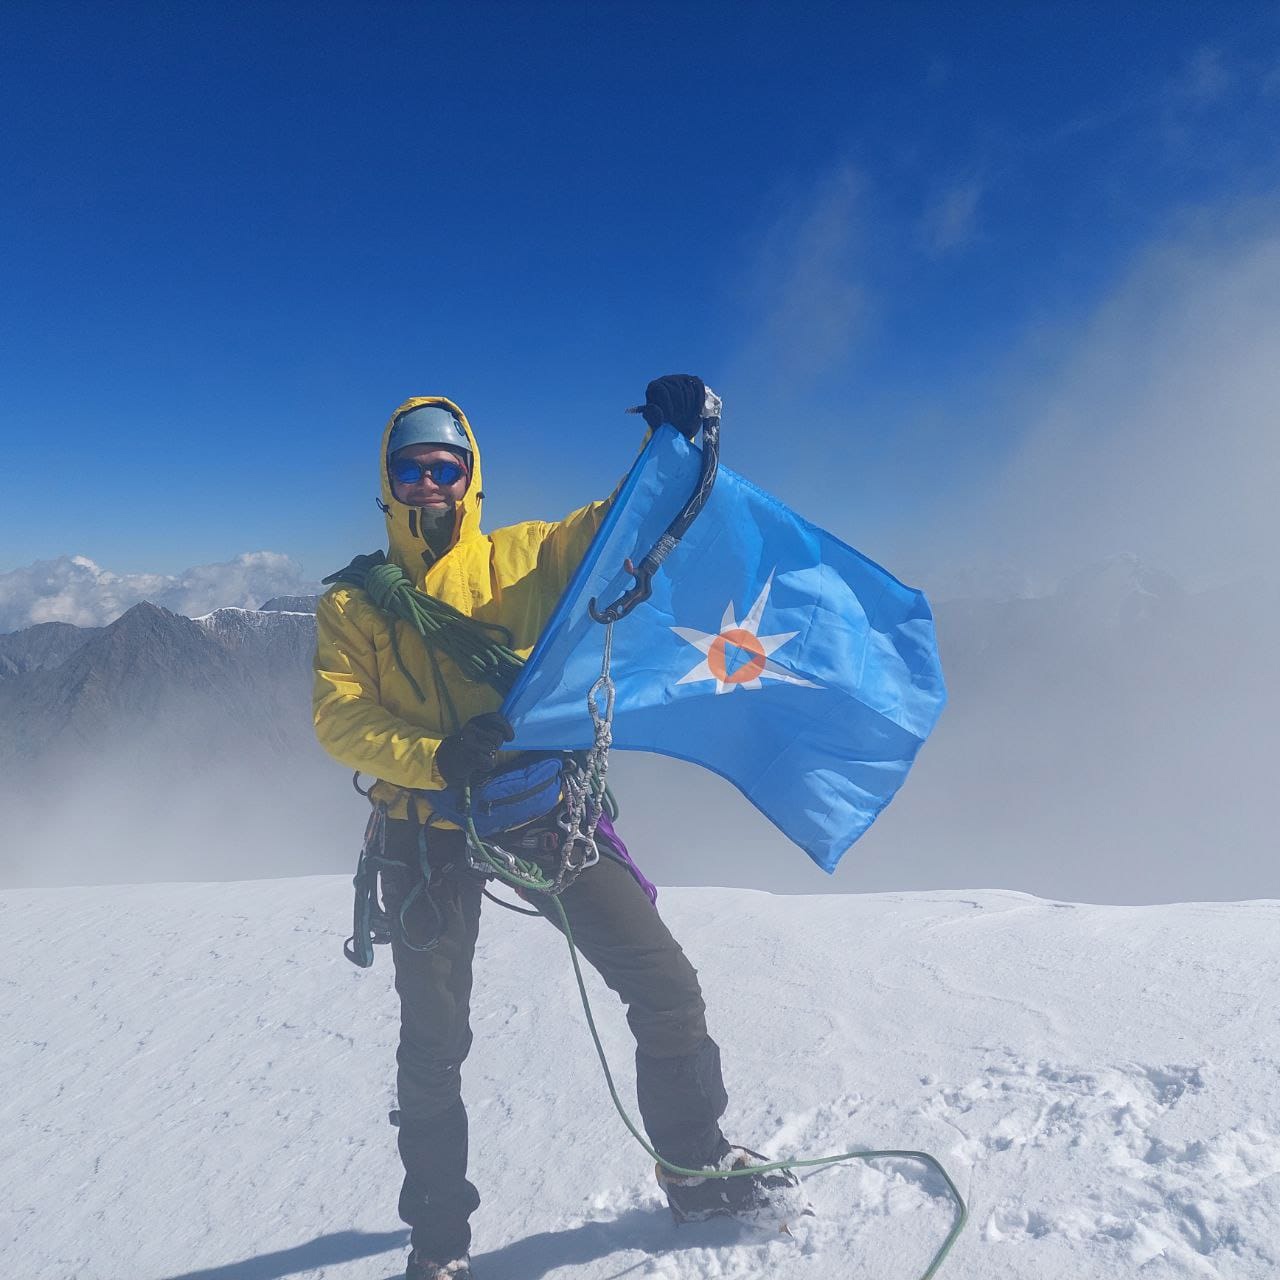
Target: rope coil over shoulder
column 482, row 651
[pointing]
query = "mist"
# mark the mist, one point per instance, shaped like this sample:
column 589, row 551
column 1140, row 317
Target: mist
column 1157, row 434
column 122, row 817
column 1107, row 607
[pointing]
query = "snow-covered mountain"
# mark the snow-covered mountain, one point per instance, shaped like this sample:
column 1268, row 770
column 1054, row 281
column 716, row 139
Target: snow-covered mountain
column 290, row 604
column 276, row 640
column 197, row 1085
column 77, row 590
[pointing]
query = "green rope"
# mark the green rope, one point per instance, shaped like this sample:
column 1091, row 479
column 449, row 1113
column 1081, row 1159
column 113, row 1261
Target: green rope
column 483, row 651
column 528, row 876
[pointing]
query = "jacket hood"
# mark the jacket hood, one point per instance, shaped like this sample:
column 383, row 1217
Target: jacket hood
column 405, row 536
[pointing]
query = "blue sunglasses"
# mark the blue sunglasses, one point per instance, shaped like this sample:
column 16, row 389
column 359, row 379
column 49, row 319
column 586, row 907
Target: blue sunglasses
column 442, row 472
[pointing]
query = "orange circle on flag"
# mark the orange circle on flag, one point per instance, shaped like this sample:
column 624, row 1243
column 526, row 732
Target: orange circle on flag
column 745, row 642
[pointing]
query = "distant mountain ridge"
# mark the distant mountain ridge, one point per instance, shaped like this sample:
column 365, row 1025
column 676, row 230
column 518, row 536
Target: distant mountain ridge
column 150, row 675
column 47, row 644
column 75, row 589
column 290, row 604
column 240, row 677
column 1120, row 713
column 162, row 746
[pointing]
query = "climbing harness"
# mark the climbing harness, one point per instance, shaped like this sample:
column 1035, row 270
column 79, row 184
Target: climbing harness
column 372, row 925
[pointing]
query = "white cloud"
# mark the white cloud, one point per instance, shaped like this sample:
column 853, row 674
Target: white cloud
column 807, row 290
column 1205, row 79
column 1159, row 434
column 951, row 221
column 74, row 589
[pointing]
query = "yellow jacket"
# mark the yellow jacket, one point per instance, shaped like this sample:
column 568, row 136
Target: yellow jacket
column 367, row 715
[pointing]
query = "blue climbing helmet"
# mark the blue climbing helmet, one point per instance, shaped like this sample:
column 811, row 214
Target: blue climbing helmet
column 427, row 424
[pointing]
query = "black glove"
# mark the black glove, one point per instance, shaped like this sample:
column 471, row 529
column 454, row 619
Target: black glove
column 470, row 751
column 678, row 399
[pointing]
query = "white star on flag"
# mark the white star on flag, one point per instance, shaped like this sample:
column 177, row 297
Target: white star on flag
column 740, row 641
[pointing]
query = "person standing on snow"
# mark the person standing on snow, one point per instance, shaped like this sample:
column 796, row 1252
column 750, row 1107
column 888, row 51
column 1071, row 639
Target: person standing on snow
column 438, row 729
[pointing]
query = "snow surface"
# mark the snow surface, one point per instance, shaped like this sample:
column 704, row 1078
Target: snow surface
column 196, row 1085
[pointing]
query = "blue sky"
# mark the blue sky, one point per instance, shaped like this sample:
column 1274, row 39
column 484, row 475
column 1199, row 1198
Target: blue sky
column 236, row 236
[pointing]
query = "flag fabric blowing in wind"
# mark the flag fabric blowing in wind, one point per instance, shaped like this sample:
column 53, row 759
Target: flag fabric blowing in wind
column 769, row 652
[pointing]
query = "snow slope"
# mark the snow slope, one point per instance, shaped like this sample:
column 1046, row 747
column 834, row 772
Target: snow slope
column 196, row 1085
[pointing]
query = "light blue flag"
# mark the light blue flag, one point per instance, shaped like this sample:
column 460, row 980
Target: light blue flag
column 769, row 652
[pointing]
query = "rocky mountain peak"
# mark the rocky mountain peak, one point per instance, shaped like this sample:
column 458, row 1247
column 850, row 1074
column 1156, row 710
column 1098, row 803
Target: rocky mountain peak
column 290, row 604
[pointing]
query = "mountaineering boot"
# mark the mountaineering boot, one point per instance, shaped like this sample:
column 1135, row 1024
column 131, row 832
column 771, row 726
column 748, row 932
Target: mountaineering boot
column 422, row 1268
column 757, row 1195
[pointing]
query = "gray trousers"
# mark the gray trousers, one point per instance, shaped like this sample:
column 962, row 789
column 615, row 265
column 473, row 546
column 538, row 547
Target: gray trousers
column 679, row 1087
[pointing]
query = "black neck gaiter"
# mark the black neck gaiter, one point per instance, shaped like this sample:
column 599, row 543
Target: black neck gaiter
column 437, row 530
